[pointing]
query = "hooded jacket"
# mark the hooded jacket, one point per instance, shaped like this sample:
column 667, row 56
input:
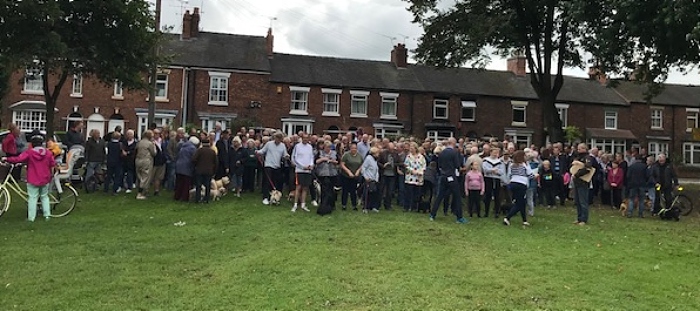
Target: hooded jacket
column 39, row 164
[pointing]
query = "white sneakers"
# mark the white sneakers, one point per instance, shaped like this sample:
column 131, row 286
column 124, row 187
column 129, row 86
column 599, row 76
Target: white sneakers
column 314, row 203
column 266, row 202
column 303, row 207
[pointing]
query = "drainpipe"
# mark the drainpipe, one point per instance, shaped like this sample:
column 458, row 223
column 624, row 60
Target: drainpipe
column 183, row 99
column 413, row 96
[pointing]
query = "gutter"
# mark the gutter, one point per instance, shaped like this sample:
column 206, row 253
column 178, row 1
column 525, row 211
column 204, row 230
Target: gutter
column 183, row 97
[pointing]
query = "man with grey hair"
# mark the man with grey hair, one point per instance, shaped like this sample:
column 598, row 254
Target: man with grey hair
column 273, row 152
column 363, row 146
column 666, row 180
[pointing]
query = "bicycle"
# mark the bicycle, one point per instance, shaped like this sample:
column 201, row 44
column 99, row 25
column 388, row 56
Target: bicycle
column 62, row 198
column 684, row 204
column 97, row 179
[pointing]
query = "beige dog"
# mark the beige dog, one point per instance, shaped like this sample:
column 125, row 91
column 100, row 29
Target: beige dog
column 275, row 197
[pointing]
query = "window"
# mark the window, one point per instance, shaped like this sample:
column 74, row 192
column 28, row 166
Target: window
column 382, row 133
column 358, row 104
column 520, row 139
column 611, row 120
column 292, row 126
column 691, row 154
column 656, row 148
column 439, row 135
column 77, row 89
column 118, row 90
column 160, row 121
column 331, row 102
column 209, row 124
column 692, row 119
column 519, row 113
column 33, row 82
column 563, row 111
column 440, row 108
column 388, row 110
column 162, row 86
column 657, row 118
column 468, row 111
column 609, row 145
column 300, row 100
column 30, row 119
column 218, row 88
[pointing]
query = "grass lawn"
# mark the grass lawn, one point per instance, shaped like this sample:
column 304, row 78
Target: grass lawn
column 117, row 253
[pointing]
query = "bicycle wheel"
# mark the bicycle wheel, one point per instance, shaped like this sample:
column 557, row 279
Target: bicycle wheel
column 4, row 200
column 63, row 203
column 91, row 184
column 684, row 203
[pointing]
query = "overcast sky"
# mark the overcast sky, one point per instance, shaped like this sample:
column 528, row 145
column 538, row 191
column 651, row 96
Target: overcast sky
column 361, row 29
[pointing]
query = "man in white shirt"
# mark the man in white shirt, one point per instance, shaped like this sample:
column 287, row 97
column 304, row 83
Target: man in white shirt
column 303, row 159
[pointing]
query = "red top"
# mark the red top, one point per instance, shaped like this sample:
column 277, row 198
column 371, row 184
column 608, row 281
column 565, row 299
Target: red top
column 9, row 145
column 616, row 177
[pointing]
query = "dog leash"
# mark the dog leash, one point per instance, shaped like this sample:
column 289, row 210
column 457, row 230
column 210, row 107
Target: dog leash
column 268, row 176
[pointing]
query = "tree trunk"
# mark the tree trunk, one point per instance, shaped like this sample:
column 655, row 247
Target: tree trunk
column 51, row 97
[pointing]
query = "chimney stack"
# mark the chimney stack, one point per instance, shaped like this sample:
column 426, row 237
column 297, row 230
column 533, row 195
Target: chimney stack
column 399, row 56
column 194, row 30
column 186, row 25
column 517, row 64
column 270, row 43
column 594, row 73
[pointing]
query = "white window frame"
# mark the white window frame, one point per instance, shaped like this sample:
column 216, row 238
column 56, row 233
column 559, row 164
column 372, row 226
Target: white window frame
column 609, row 145
column 563, row 111
column 77, row 86
column 216, row 78
column 389, row 99
column 160, row 120
column 30, row 119
column 468, row 105
column 441, row 104
column 610, row 115
column 357, row 98
column 299, row 105
column 692, row 114
column 688, row 154
column 433, row 135
column 209, row 123
column 657, row 115
column 162, row 97
column 657, row 147
column 289, row 126
column 33, row 86
column 328, row 94
column 517, row 138
column 118, row 91
column 517, row 105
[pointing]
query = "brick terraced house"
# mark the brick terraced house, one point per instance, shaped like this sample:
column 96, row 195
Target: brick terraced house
column 216, row 77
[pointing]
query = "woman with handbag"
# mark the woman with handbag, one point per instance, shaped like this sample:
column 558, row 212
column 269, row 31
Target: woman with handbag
column 370, row 173
column 326, row 171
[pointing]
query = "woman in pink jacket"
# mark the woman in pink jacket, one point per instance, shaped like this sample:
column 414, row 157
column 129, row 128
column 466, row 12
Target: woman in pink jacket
column 40, row 164
column 474, row 188
column 616, row 179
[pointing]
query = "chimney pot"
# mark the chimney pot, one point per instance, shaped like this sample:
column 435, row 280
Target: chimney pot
column 595, row 73
column 517, row 64
column 270, row 40
column 194, row 28
column 186, row 25
column 399, row 56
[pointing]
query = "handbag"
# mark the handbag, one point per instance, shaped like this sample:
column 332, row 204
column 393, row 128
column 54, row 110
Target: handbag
column 372, row 186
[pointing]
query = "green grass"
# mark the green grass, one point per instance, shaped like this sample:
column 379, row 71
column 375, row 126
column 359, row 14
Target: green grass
column 116, row 253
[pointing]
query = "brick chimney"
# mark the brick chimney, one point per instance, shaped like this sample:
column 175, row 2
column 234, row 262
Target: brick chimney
column 595, row 73
column 194, row 30
column 399, row 56
column 517, row 64
column 270, row 43
column 186, row 25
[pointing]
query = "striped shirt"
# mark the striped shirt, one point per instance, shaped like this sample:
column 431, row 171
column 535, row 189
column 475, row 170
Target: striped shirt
column 520, row 173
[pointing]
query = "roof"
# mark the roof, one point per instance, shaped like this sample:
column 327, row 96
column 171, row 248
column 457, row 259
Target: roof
column 470, row 81
column 671, row 94
column 589, row 91
column 613, row 134
column 216, row 50
column 340, row 72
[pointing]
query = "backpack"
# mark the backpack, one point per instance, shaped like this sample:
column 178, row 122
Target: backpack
column 160, row 158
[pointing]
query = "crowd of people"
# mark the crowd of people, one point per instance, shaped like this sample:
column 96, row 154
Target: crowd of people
column 494, row 177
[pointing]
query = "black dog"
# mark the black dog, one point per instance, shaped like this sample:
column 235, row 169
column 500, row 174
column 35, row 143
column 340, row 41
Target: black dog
column 671, row 214
column 423, row 207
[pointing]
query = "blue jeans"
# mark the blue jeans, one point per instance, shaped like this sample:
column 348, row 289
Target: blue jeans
column 115, row 175
column 387, row 187
column 129, row 178
column 519, row 192
column 401, row 199
column 413, row 197
column 170, row 176
column 90, row 169
column 35, row 192
column 635, row 193
column 581, row 201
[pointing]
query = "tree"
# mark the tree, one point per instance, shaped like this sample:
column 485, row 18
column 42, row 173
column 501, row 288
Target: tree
column 57, row 39
column 623, row 36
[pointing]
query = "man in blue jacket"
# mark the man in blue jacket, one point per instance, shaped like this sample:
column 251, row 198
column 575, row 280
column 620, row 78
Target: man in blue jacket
column 449, row 163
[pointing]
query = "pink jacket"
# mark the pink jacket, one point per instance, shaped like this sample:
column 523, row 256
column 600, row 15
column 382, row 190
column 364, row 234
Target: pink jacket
column 39, row 165
column 474, row 181
column 617, row 178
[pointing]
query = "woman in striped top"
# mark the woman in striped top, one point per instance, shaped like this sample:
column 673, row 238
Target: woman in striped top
column 520, row 174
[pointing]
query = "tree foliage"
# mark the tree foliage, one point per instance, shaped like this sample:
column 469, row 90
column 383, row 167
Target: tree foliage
column 617, row 36
column 109, row 40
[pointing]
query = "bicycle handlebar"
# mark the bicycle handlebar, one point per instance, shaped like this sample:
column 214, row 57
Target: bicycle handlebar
column 12, row 165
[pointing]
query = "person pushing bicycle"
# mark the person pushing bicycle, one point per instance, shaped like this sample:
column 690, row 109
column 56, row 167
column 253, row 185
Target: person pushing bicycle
column 40, row 169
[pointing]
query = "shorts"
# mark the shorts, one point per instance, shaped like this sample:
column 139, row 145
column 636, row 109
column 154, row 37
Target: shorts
column 159, row 172
column 303, row 179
